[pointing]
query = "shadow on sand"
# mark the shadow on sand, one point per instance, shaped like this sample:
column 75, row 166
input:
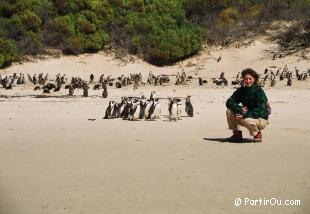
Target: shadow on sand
column 225, row 140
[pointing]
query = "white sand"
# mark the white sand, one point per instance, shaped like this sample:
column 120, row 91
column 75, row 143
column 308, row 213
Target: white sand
column 54, row 160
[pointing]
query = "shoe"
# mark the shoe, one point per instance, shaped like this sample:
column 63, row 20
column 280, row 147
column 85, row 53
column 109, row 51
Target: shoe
column 258, row 137
column 237, row 137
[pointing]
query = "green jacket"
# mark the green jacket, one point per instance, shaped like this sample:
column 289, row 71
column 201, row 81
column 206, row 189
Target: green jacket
column 254, row 98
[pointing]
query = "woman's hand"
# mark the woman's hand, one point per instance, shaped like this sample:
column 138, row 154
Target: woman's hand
column 238, row 116
column 244, row 110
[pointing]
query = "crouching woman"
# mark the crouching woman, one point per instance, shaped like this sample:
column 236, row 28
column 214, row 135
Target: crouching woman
column 252, row 113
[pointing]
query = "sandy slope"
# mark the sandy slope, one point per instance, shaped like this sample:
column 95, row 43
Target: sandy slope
column 54, row 160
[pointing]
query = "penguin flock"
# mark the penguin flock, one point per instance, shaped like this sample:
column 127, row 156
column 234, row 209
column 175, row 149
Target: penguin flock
column 270, row 77
column 48, row 85
column 8, row 82
column 135, row 108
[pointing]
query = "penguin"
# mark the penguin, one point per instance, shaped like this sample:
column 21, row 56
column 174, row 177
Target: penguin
column 121, row 108
column 20, row 79
column 96, row 87
column 105, row 92
column 289, row 82
column 101, row 78
column 225, row 82
column 153, row 96
column 14, row 81
column 115, row 111
column 189, row 107
column 200, row 81
column 135, row 110
column 126, row 111
column 91, row 78
column 85, row 90
column 57, row 89
column 143, row 104
column 148, row 104
column 155, row 110
column 46, row 91
column 273, row 82
column 8, row 83
column 179, row 108
column 173, row 109
column 29, row 78
column 71, row 90
column 49, row 86
column 34, row 79
column 111, row 110
column 36, row 88
column 118, row 84
column 108, row 111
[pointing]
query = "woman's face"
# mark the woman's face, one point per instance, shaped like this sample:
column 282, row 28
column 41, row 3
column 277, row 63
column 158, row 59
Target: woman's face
column 248, row 80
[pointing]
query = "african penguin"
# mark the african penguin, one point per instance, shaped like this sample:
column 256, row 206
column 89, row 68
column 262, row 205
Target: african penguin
column 173, row 109
column 189, row 107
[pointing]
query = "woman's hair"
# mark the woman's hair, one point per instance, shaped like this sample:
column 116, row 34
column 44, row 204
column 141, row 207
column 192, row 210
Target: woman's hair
column 250, row 71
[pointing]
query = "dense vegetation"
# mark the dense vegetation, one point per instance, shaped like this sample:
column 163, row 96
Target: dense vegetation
column 160, row 31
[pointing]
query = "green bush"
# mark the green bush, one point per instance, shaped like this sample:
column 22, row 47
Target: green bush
column 8, row 52
column 160, row 31
column 73, row 45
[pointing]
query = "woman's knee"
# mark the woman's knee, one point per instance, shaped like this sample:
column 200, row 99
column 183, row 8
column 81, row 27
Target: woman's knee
column 250, row 124
column 262, row 124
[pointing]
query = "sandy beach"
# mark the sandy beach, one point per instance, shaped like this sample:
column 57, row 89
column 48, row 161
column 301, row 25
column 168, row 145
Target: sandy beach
column 54, row 159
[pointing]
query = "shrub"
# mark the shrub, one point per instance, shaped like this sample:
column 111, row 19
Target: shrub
column 8, row 52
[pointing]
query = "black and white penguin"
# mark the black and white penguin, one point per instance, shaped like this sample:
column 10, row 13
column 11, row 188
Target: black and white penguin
column 200, row 81
column 143, row 104
column 91, row 78
column 49, row 86
column 155, row 110
column 126, row 112
column 273, row 82
column 122, row 105
column 71, row 90
column 149, row 105
column 135, row 110
column 57, row 89
column 173, row 109
column 111, row 111
column 46, row 91
column 101, row 79
column 34, row 79
column 108, row 111
column 179, row 108
column 118, row 84
column 289, row 82
column 85, row 90
column 189, row 107
column 105, row 91
column 153, row 96
column 37, row 88
column 96, row 87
